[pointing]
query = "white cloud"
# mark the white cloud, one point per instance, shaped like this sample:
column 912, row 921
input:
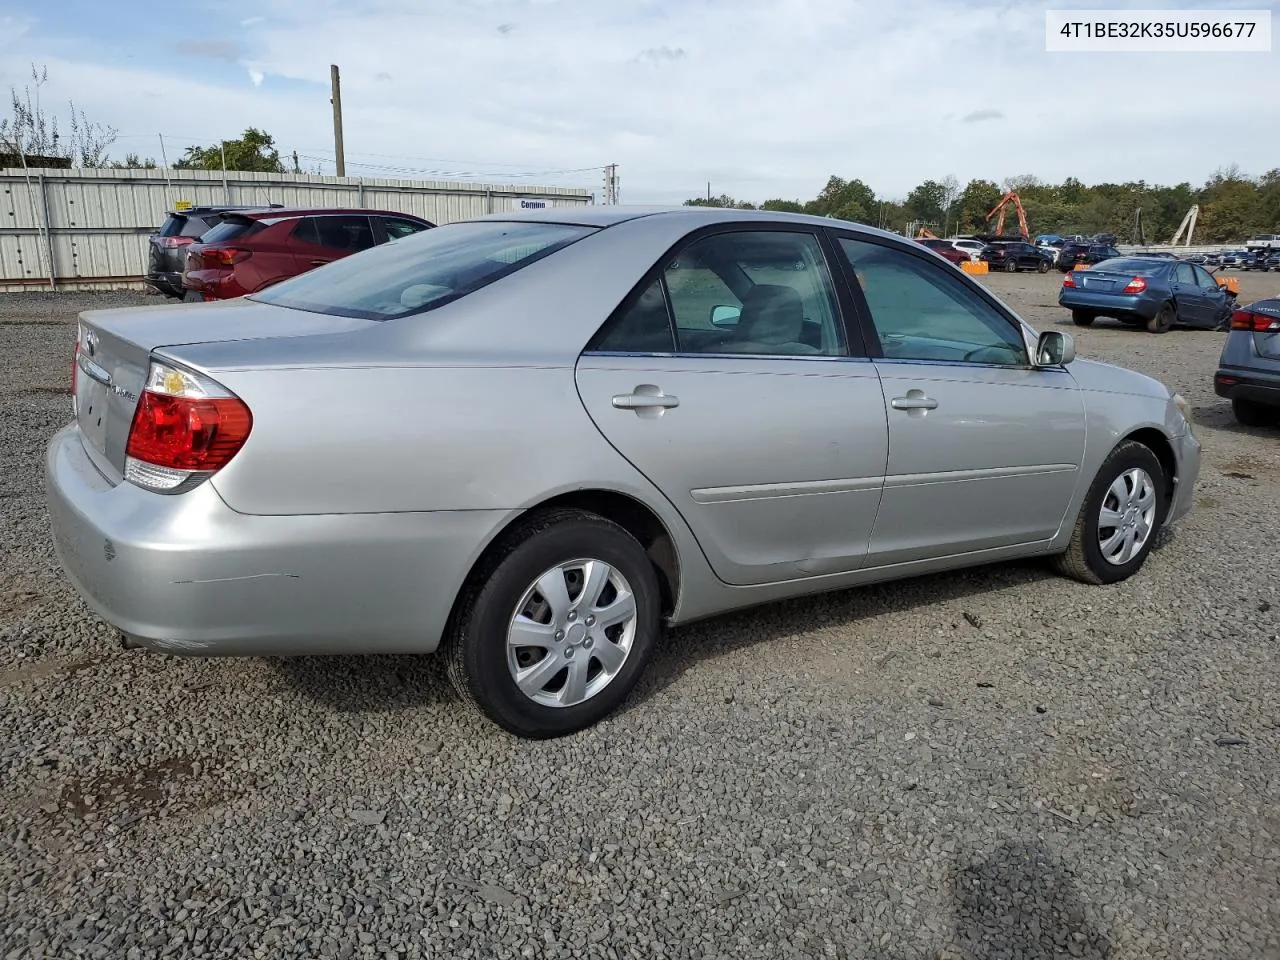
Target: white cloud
column 257, row 76
column 763, row 97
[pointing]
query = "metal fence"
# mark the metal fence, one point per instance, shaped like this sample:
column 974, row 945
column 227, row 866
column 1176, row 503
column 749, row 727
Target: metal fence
column 87, row 229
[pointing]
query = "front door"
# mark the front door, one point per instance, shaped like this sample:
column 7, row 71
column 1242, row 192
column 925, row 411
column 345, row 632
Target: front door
column 984, row 449
column 1187, row 295
column 727, row 379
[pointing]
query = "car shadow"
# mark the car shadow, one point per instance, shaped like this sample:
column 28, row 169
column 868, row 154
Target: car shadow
column 386, row 683
column 1218, row 416
column 1018, row 901
column 683, row 648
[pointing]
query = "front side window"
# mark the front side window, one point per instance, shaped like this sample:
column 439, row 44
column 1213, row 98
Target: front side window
column 400, row 228
column 422, row 271
column 922, row 312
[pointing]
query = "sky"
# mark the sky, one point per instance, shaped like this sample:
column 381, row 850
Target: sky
column 759, row 98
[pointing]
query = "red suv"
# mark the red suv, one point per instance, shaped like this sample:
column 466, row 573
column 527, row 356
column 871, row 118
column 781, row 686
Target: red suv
column 249, row 250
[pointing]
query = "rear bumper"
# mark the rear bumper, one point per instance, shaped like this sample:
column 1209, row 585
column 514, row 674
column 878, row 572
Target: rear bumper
column 186, row 574
column 1108, row 303
column 169, row 284
column 218, row 284
column 1255, row 385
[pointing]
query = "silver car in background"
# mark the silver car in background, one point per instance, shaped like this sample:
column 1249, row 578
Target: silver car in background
column 530, row 440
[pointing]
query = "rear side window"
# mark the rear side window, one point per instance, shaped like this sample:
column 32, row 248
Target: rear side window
column 348, row 234
column 422, row 271
column 400, row 228
column 172, row 226
column 232, row 228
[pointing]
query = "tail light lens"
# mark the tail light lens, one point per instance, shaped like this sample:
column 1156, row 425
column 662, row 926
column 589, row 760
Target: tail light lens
column 224, row 256
column 75, row 372
column 1245, row 319
column 176, row 241
column 1136, row 285
column 186, row 428
column 1068, row 279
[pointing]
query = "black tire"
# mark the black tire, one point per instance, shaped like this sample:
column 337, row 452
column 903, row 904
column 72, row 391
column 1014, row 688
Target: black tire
column 1163, row 321
column 1083, row 559
column 1249, row 413
column 1082, row 318
column 1011, row 266
column 1042, row 267
column 476, row 647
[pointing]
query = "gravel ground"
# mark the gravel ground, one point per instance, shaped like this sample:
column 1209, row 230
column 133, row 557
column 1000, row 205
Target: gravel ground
column 997, row 763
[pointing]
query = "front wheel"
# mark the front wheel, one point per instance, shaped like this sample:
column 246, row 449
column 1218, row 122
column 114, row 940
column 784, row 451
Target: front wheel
column 1042, row 267
column 555, row 629
column 1010, row 266
column 1117, row 525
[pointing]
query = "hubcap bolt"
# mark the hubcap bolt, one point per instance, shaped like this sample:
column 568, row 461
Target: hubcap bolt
column 569, row 653
column 588, row 642
column 591, row 621
column 559, row 634
column 572, row 616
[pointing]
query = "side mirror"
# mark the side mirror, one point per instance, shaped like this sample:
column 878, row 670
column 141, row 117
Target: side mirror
column 724, row 315
column 1055, row 349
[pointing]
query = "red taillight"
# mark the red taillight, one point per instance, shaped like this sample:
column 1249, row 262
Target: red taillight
column 184, row 424
column 1244, row 319
column 224, row 256
column 1068, row 280
column 176, row 241
column 1136, row 285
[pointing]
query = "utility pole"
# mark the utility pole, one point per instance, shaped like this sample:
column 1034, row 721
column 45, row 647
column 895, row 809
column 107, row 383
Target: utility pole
column 336, row 100
column 611, row 184
column 708, row 190
column 226, row 189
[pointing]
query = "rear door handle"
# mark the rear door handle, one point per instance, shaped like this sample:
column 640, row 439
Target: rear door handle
column 318, row 263
column 644, row 401
column 914, row 403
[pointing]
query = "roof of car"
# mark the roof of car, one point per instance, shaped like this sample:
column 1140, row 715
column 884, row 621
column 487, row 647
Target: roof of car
column 285, row 213
column 604, row 216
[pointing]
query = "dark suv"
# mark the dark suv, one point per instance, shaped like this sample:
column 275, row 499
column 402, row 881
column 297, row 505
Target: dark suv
column 1085, row 254
column 167, row 247
column 250, row 250
column 1012, row 257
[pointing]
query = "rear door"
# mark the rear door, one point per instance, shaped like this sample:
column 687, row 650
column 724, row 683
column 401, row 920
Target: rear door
column 323, row 238
column 1192, row 307
column 727, row 379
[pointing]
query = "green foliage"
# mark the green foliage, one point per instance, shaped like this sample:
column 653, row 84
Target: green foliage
column 1233, row 206
column 255, row 151
column 132, row 161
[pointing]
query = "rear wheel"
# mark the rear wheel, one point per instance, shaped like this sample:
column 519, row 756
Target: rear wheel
column 1163, row 321
column 1082, row 318
column 555, row 629
column 1042, row 267
column 1118, row 522
column 1249, row 413
column 1011, row 266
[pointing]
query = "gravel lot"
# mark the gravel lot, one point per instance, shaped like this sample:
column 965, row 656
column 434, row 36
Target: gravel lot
column 997, row 763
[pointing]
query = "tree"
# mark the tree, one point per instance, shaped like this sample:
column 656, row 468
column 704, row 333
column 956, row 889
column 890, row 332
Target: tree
column 976, row 201
column 927, row 201
column 844, row 199
column 132, row 162
column 29, row 131
column 783, row 206
column 254, row 151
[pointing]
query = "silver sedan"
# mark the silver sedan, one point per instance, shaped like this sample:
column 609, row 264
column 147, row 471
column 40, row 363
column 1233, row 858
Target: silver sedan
column 530, row 441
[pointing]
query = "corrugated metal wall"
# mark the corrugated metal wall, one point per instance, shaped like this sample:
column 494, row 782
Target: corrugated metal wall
column 87, row 228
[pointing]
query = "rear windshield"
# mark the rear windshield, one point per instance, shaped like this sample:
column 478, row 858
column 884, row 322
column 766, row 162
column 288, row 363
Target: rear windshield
column 1136, row 267
column 421, row 271
column 231, row 228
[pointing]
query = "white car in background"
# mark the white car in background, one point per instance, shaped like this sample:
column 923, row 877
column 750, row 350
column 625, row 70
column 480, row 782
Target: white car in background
column 972, row 247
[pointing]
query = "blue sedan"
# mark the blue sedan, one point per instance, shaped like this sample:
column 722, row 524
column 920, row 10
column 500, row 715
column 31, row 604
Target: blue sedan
column 1146, row 291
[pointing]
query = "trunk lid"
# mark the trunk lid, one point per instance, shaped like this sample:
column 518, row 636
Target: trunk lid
column 1103, row 281
column 115, row 348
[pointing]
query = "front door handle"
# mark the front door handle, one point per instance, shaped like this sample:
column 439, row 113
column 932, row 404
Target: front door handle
column 918, row 402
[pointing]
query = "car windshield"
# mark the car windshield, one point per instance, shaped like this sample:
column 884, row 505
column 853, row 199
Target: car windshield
column 423, row 270
column 1138, row 267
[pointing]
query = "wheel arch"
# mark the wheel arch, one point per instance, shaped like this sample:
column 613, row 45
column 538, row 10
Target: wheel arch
column 625, row 510
column 1154, row 440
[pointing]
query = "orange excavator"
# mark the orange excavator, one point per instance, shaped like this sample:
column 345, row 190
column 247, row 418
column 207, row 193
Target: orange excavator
column 1010, row 198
